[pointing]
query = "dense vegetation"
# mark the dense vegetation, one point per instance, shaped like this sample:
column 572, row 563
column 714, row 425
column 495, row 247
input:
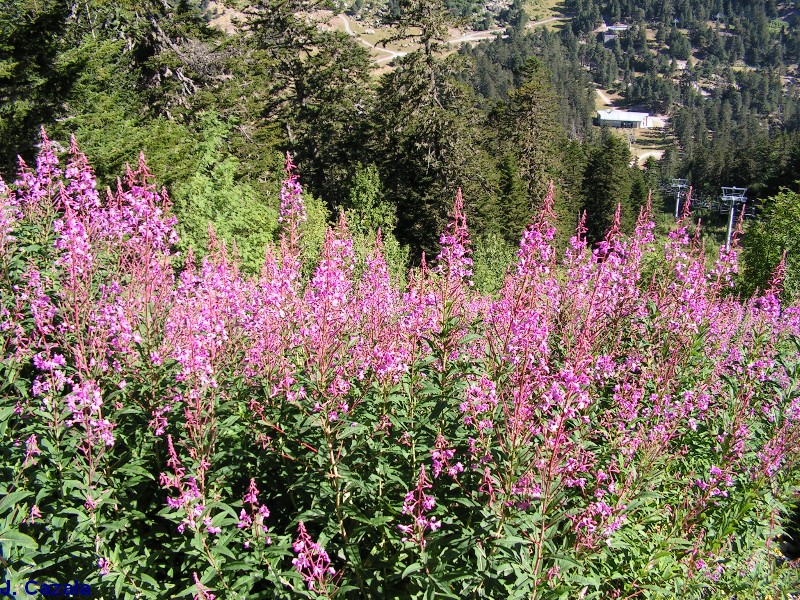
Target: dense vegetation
column 608, row 425
column 216, row 112
column 236, row 386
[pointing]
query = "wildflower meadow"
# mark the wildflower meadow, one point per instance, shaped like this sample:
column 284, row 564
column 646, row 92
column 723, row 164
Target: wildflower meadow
column 613, row 423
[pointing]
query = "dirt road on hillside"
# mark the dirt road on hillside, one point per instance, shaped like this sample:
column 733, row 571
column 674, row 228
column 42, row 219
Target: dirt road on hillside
column 474, row 36
column 604, row 97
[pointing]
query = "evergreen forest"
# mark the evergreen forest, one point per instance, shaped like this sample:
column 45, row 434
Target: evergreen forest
column 215, row 111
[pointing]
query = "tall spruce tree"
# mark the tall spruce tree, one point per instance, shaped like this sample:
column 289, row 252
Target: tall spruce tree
column 319, row 92
column 33, row 82
column 608, row 181
column 428, row 137
column 532, row 133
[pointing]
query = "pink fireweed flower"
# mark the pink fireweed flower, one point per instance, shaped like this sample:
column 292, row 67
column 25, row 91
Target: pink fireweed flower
column 159, row 422
column 292, row 212
column 254, row 517
column 553, row 573
column 244, row 520
column 536, row 253
column 34, row 190
column 441, row 456
column 203, row 593
column 186, row 487
column 31, row 450
column 74, row 240
column 597, row 521
column 86, row 403
column 44, row 312
column 252, row 493
column 210, row 526
column 454, row 259
column 489, row 485
column 104, row 565
column 292, row 207
column 480, row 399
column 312, row 561
column 416, row 504
column 560, row 370
column 9, row 215
column 34, row 514
column 526, row 490
column 81, row 192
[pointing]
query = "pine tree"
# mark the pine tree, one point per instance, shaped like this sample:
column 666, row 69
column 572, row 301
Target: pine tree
column 32, row 82
column 319, row 92
column 533, row 142
column 428, row 136
column 532, row 131
column 514, row 202
column 766, row 240
column 427, row 140
column 607, row 182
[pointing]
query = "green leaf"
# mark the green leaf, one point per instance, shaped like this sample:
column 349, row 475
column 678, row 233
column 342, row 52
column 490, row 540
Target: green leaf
column 13, row 537
column 412, row 568
column 12, row 499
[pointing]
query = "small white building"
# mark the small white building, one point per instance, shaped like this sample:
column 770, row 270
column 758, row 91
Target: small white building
column 624, row 119
column 619, row 27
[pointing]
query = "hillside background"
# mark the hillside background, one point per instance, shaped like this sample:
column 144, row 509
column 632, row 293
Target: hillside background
column 389, row 107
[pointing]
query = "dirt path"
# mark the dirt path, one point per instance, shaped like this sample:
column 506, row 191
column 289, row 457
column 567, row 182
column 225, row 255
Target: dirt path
column 474, row 36
column 657, row 154
column 604, row 97
column 391, row 54
column 533, row 24
column 477, row 36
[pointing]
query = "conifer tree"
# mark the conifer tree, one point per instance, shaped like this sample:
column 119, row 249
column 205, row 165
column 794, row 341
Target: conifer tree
column 608, row 181
column 319, row 91
column 531, row 132
column 776, row 232
column 32, row 84
column 427, row 135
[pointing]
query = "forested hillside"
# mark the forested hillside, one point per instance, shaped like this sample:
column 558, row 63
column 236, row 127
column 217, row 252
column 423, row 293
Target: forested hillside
column 216, row 111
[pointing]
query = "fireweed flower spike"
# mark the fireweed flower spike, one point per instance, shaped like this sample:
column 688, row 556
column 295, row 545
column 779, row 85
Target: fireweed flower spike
column 292, row 212
column 9, row 215
column 312, row 561
column 203, row 593
column 454, row 259
column 252, row 519
column 416, row 504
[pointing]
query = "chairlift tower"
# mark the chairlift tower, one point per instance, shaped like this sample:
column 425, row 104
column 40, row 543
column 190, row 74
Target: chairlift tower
column 678, row 187
column 732, row 197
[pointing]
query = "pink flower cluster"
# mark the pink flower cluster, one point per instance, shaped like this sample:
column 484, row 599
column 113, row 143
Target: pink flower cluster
column 190, row 496
column 454, row 259
column 86, row 404
column 292, row 212
column 441, row 456
column 570, row 389
column 312, row 561
column 416, row 504
column 253, row 518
